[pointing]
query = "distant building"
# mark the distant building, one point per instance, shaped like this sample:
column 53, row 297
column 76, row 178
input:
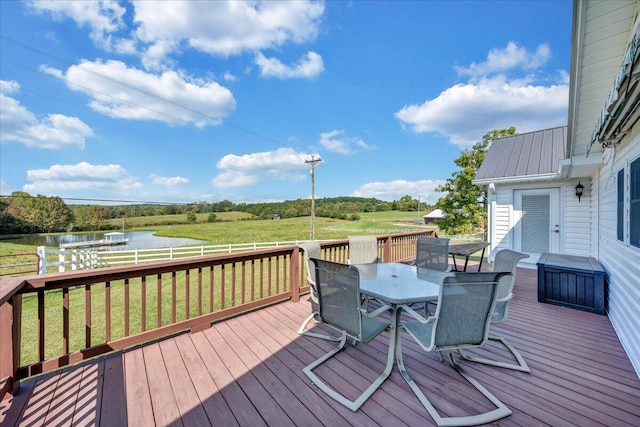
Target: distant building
column 433, row 216
column 276, row 216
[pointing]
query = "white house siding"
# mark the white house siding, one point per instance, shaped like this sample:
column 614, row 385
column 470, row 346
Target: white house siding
column 575, row 223
column 502, row 206
column 606, row 30
column 621, row 261
column 576, row 238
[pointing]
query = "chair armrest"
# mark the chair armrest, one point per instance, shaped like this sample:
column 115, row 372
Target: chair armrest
column 505, row 299
column 375, row 313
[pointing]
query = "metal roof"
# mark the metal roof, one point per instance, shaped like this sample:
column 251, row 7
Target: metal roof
column 524, row 156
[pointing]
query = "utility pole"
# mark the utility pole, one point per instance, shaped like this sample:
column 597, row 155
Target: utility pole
column 312, row 172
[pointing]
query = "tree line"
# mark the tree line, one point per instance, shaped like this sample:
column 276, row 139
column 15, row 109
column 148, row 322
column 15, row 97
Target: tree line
column 22, row 213
column 463, row 203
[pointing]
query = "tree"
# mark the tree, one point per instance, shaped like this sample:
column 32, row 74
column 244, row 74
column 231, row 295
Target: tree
column 460, row 203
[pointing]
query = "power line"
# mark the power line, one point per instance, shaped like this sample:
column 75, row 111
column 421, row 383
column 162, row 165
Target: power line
column 140, row 90
column 138, row 202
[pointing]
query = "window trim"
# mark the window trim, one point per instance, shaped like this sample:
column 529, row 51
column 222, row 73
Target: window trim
column 628, row 210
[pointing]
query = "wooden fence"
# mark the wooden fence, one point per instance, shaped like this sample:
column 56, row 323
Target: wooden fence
column 75, row 315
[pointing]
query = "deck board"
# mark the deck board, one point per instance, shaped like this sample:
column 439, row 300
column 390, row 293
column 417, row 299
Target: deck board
column 248, row 371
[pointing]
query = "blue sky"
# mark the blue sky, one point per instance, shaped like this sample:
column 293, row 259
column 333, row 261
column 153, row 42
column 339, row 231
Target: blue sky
column 205, row 101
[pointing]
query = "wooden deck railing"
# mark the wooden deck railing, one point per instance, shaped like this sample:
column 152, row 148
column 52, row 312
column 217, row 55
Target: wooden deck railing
column 81, row 314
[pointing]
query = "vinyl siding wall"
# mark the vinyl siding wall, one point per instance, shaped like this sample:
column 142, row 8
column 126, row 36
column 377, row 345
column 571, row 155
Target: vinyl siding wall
column 575, row 217
column 621, row 261
column 606, row 30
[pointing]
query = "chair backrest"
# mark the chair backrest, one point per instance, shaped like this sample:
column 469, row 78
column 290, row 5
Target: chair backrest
column 311, row 250
column 463, row 313
column 432, row 253
column 506, row 260
column 363, row 249
column 339, row 296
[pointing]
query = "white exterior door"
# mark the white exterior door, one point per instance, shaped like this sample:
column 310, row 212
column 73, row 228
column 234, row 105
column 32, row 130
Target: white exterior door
column 537, row 222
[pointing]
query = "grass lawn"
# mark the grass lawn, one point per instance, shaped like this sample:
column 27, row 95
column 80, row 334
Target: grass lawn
column 230, row 230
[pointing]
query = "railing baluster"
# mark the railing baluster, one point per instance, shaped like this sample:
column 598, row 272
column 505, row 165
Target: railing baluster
column 199, row 291
column 233, row 285
column 40, row 325
column 277, row 274
column 65, row 320
column 126, row 307
column 243, row 288
column 87, row 316
column 143, row 304
column 107, row 309
column 159, row 301
column 187, row 292
column 253, row 280
column 211, row 280
column 261, row 278
column 222, row 287
column 269, row 276
column 173, row 297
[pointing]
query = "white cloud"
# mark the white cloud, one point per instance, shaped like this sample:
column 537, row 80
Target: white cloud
column 101, row 17
column 465, row 112
column 248, row 169
column 338, row 142
column 307, row 67
column 394, row 190
column 55, row 131
column 123, row 92
column 165, row 181
column 162, row 28
column 59, row 179
column 492, row 99
column 225, row 27
column 512, row 56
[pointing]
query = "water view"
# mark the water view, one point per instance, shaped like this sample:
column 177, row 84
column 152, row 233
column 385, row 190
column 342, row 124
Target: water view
column 136, row 240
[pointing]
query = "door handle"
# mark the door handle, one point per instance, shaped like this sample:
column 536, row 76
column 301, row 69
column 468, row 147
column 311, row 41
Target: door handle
column 556, row 231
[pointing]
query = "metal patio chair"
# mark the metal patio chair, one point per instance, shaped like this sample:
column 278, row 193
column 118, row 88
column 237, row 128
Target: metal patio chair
column 339, row 299
column 312, row 250
column 506, row 261
column 461, row 320
column 363, row 249
column 432, row 253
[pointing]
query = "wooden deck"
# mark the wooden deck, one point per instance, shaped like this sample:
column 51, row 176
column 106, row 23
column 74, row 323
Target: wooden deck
column 248, row 371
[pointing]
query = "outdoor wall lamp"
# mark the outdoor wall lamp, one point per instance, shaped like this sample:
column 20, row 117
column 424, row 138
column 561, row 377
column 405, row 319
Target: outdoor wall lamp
column 579, row 189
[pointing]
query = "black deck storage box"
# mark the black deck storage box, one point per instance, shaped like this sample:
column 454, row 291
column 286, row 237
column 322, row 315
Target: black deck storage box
column 573, row 281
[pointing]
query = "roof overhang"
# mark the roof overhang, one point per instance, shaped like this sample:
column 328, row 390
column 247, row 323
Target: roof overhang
column 580, row 166
column 622, row 108
column 517, row 179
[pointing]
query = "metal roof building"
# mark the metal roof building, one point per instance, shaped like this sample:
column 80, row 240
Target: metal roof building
column 524, row 157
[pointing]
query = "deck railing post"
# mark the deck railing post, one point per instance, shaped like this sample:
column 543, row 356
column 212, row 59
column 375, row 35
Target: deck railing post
column 386, row 251
column 10, row 323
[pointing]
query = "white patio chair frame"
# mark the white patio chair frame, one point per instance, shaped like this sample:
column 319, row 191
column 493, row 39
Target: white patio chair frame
column 427, row 332
column 363, row 250
column 342, row 311
column 311, row 250
column 507, row 261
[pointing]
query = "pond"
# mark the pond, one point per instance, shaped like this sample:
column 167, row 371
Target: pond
column 136, row 240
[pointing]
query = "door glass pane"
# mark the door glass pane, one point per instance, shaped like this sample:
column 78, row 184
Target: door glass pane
column 535, row 223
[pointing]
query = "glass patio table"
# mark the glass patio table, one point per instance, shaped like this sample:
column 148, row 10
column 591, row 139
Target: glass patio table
column 398, row 284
